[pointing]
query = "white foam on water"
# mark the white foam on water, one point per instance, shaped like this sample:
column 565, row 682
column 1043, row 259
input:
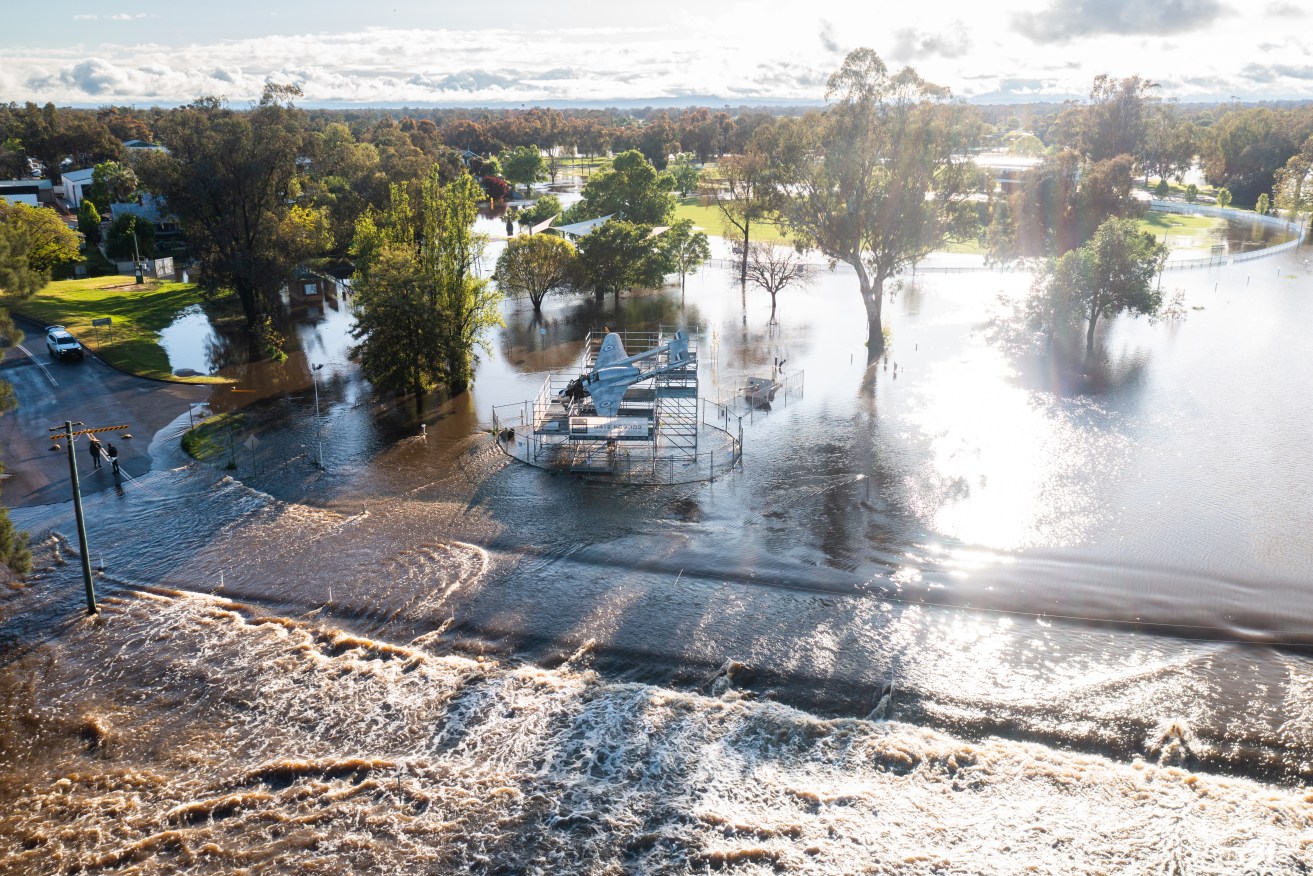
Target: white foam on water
column 184, row 732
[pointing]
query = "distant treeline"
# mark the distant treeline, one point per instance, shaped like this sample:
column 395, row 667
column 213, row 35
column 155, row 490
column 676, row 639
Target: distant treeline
column 1240, row 146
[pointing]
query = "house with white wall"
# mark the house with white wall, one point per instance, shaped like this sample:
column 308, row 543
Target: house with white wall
column 76, row 185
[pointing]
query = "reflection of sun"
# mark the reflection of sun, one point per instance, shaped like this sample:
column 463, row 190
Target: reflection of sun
column 1005, row 468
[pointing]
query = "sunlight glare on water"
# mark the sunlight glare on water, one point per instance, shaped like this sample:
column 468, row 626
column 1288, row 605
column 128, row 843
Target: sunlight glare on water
column 1004, row 468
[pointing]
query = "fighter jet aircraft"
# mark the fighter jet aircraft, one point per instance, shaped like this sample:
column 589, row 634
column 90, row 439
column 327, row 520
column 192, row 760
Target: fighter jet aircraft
column 614, row 372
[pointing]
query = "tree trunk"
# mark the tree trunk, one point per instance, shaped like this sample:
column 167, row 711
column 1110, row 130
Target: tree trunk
column 772, row 307
column 743, row 266
column 872, row 297
column 1089, row 335
column 246, row 295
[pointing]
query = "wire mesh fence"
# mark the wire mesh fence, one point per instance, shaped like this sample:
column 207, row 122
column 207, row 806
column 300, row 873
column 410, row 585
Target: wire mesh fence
column 719, row 450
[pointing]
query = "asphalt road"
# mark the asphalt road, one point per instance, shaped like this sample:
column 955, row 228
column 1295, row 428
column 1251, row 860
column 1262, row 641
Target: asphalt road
column 89, row 391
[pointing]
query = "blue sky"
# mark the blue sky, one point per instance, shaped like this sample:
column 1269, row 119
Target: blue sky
column 513, row 51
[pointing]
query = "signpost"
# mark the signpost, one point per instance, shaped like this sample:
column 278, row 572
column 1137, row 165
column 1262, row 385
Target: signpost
column 106, row 321
column 250, row 444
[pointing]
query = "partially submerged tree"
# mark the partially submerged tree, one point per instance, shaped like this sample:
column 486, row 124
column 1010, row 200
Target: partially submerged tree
column 420, row 310
column 886, row 177
column 396, row 323
column 774, row 268
column 536, row 265
column 619, row 255
column 1113, row 273
column 744, row 195
column 524, row 166
column 17, row 280
column 14, row 552
column 543, row 209
column 684, row 249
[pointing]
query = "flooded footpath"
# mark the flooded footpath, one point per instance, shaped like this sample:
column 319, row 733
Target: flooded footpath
column 961, row 611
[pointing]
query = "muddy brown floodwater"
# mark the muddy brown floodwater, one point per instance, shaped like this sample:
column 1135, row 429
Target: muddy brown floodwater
column 965, row 611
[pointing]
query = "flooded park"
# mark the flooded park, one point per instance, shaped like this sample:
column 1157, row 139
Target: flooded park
column 1064, row 609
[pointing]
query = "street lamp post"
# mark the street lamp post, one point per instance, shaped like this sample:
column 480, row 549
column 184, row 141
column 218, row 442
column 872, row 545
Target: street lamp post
column 319, row 423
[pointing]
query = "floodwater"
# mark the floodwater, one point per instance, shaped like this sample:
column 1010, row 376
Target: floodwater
column 965, row 611
column 190, row 342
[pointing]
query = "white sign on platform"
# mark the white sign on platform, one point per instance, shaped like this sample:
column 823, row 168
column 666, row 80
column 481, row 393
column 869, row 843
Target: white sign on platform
column 611, row 427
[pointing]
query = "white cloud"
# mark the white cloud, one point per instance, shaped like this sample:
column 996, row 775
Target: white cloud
column 725, row 51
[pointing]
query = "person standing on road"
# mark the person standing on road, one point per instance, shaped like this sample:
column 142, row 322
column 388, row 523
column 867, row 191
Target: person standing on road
column 113, row 453
column 94, row 448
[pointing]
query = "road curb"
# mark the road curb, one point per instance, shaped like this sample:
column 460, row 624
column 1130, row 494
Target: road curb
column 40, row 329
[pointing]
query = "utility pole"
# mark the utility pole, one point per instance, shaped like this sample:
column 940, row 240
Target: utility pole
column 67, row 433
column 137, row 251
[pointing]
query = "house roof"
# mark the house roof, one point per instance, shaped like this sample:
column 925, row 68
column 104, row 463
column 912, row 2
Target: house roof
column 80, row 175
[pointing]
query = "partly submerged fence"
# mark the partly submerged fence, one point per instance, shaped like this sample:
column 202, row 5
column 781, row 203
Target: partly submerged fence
column 1295, row 227
column 641, row 463
column 930, row 265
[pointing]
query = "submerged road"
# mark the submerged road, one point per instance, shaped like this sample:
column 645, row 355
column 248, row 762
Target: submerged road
column 50, row 392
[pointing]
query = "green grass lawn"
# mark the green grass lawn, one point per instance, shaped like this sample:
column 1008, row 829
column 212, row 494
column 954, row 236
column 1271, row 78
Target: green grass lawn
column 139, row 313
column 211, row 439
column 1184, row 232
column 709, row 219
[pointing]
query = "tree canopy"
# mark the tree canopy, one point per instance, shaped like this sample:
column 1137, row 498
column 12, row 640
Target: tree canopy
column 1113, row 273
column 228, row 178
column 112, row 183
column 127, row 237
column 421, row 310
column 1246, row 148
column 535, row 265
column 632, row 188
column 774, row 268
column 684, row 249
column 1059, row 205
column 744, row 194
column 619, row 255
column 543, row 209
column 884, row 177
column 1293, row 183
column 523, row 165
column 43, row 238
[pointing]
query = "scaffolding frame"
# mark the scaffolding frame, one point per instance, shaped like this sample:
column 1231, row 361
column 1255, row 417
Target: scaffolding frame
column 659, row 436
